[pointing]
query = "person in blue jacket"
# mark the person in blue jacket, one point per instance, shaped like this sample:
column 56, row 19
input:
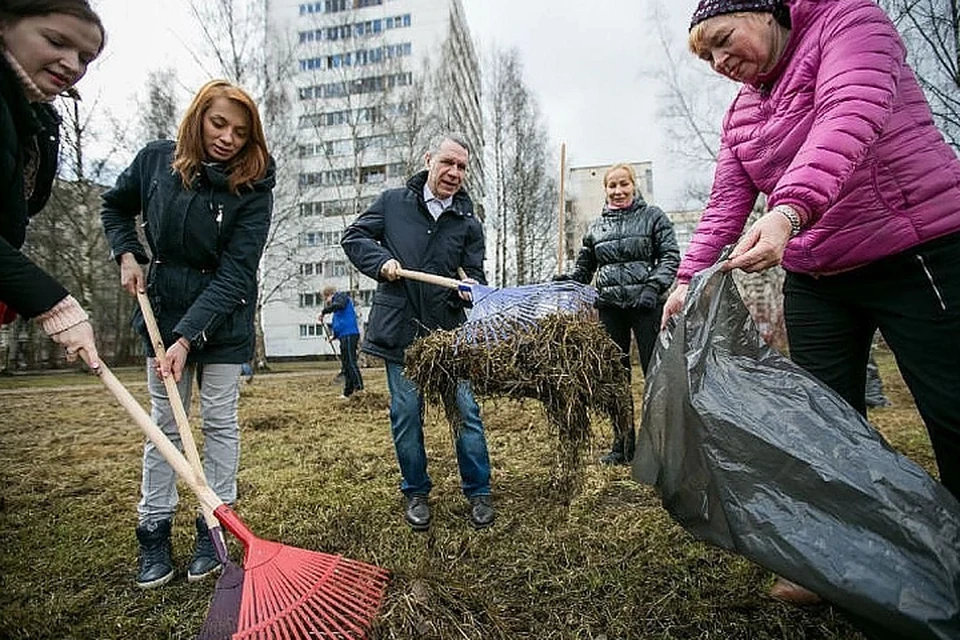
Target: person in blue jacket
column 206, row 201
column 345, row 329
column 426, row 225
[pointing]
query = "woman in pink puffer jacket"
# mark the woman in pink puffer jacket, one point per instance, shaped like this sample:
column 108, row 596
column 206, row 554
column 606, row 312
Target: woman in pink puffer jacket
column 864, row 196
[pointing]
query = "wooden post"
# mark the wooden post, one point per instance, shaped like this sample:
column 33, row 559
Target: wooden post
column 562, row 223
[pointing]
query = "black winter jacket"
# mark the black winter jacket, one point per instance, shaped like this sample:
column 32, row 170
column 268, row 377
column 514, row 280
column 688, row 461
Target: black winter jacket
column 205, row 247
column 24, row 286
column 398, row 225
column 628, row 249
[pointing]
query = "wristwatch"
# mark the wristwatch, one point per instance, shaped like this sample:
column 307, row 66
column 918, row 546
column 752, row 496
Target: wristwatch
column 790, row 214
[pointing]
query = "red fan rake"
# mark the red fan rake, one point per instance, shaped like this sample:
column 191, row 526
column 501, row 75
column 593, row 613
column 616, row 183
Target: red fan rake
column 287, row 593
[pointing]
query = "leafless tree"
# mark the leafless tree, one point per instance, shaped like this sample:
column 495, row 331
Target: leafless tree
column 158, row 113
column 692, row 102
column 931, row 32
column 524, row 191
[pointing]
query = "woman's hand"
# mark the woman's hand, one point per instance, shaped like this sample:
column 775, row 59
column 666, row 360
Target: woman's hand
column 175, row 361
column 674, row 303
column 762, row 245
column 78, row 341
column 131, row 274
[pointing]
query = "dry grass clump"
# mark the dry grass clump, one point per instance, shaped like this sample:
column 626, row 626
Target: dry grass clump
column 566, row 362
column 368, row 400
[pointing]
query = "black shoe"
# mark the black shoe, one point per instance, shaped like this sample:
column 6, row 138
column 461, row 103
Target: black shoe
column 204, row 561
column 482, row 513
column 614, row 457
column 156, row 561
column 417, row 513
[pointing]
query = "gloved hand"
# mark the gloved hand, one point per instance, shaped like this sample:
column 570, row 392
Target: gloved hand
column 648, row 298
column 562, row 277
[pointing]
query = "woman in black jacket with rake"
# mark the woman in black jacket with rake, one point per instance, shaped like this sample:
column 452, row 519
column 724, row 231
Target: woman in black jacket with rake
column 632, row 250
column 206, row 202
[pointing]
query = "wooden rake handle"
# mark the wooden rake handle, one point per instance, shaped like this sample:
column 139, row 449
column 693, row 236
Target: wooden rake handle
column 430, row 278
column 176, row 403
column 208, row 499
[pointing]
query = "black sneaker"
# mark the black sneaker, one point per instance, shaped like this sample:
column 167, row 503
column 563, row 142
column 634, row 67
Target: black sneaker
column 417, row 513
column 156, row 556
column 204, row 561
column 482, row 513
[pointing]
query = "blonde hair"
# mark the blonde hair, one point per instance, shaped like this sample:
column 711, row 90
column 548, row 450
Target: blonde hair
column 697, row 39
column 250, row 163
column 626, row 167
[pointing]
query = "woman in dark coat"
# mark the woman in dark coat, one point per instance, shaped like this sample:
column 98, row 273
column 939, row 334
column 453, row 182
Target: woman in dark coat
column 46, row 46
column 206, row 203
column 632, row 250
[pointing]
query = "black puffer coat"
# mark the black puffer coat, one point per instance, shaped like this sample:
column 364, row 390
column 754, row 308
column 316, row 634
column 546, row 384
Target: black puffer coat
column 628, row 249
column 398, row 225
column 205, row 247
column 23, row 285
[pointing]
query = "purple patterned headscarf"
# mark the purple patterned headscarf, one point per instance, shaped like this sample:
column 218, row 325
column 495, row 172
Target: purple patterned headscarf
column 710, row 8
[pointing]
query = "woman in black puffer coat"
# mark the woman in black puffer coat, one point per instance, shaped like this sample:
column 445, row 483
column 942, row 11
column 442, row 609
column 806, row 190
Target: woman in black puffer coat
column 632, row 250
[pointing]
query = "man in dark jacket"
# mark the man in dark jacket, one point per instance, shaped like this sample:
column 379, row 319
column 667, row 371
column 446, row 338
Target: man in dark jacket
column 428, row 225
column 345, row 330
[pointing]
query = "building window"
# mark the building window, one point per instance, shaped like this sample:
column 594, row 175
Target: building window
column 335, row 269
column 311, row 269
column 366, row 84
column 310, row 330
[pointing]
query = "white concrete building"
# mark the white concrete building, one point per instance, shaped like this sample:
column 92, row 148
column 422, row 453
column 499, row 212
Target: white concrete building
column 365, row 105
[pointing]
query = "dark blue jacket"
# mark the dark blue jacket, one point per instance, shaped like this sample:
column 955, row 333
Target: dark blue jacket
column 205, row 246
column 24, row 286
column 398, row 225
column 344, row 315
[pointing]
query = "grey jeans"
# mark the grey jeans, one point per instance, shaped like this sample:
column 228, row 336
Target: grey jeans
column 219, row 398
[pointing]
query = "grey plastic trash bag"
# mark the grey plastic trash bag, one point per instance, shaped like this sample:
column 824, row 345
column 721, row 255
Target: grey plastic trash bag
column 752, row 454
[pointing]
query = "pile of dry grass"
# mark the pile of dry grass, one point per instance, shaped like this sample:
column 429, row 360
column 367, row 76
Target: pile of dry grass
column 568, row 363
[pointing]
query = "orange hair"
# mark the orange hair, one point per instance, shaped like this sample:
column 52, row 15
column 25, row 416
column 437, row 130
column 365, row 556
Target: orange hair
column 250, row 163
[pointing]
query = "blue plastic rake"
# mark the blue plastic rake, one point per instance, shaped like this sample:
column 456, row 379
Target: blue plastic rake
column 499, row 312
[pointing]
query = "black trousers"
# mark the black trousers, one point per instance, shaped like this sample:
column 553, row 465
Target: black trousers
column 914, row 299
column 352, row 380
column 644, row 324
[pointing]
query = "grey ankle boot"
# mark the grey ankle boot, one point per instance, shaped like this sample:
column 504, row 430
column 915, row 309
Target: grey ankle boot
column 204, row 561
column 156, row 561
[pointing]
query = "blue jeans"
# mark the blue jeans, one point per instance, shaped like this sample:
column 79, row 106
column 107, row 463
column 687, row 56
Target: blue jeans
column 406, row 426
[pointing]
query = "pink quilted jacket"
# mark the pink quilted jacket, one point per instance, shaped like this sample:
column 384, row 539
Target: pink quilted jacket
column 845, row 136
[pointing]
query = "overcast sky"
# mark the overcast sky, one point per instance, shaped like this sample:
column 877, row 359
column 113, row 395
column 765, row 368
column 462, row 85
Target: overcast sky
column 587, row 63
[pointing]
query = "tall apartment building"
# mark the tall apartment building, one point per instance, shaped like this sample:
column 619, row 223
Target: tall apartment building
column 374, row 81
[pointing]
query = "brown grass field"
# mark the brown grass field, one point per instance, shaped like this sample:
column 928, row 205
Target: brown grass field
column 320, row 474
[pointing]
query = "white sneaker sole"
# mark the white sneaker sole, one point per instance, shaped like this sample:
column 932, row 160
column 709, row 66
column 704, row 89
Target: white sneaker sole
column 159, row 582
